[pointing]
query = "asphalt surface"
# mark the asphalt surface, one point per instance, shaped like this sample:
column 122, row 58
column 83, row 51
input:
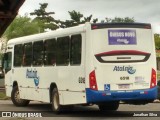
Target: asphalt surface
column 125, row 111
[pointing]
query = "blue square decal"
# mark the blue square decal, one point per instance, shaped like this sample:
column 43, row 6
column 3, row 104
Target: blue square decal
column 107, row 87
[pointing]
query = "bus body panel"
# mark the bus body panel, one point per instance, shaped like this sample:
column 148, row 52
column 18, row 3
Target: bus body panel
column 123, row 69
column 70, row 80
column 123, row 59
column 117, row 72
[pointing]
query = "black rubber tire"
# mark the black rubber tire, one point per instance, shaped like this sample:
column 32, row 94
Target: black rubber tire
column 56, row 107
column 16, row 99
column 110, row 106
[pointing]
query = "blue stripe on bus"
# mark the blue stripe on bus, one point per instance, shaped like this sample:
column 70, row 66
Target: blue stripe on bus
column 105, row 96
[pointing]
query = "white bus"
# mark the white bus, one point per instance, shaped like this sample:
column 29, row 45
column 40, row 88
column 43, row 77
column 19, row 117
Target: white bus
column 100, row 64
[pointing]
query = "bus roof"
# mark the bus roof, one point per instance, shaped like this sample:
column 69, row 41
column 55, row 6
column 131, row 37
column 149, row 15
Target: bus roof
column 120, row 25
column 75, row 30
column 48, row 35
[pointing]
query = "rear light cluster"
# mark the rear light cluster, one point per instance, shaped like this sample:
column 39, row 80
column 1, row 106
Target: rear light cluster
column 92, row 81
column 153, row 79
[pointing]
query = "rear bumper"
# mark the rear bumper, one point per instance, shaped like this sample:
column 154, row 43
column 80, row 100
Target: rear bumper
column 106, row 96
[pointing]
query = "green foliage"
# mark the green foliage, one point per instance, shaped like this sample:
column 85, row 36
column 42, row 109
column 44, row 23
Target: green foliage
column 75, row 16
column 44, row 17
column 76, row 19
column 41, row 12
column 67, row 23
column 1, row 56
column 157, row 41
column 95, row 20
column 3, row 96
column 88, row 19
column 21, row 26
column 120, row 20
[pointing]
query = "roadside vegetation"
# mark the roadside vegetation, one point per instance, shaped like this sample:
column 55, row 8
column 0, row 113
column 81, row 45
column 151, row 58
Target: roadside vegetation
column 158, row 75
column 42, row 21
column 3, row 96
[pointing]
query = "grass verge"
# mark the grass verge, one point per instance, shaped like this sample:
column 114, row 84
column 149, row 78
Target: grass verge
column 3, row 96
column 158, row 75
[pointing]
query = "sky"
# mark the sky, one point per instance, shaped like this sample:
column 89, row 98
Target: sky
column 146, row 11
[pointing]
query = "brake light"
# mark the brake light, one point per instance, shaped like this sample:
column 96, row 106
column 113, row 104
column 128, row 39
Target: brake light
column 153, row 79
column 92, row 81
column 147, row 27
column 94, row 27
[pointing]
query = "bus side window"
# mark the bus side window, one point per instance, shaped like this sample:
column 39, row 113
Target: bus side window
column 75, row 49
column 50, row 52
column 7, row 61
column 27, row 54
column 18, row 52
column 38, row 53
column 62, row 56
column 24, row 59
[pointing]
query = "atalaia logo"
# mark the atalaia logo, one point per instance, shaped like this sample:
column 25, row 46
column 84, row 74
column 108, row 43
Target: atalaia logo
column 129, row 69
column 33, row 74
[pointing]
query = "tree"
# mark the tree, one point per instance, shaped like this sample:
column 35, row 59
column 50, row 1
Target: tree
column 95, row 20
column 21, row 26
column 88, row 19
column 76, row 19
column 67, row 23
column 75, row 16
column 44, row 18
column 119, row 20
column 157, row 41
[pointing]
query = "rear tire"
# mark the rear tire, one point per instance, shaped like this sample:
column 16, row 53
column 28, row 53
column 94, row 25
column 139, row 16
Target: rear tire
column 109, row 106
column 56, row 107
column 15, row 97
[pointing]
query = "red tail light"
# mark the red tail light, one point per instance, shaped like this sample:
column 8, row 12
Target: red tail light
column 153, row 79
column 92, row 81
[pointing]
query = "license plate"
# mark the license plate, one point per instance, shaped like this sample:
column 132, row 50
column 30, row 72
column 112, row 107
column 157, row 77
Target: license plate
column 123, row 86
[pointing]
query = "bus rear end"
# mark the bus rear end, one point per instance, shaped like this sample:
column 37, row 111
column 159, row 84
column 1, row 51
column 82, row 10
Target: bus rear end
column 124, row 64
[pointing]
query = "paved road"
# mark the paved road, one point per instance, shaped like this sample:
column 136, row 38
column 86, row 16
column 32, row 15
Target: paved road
column 79, row 112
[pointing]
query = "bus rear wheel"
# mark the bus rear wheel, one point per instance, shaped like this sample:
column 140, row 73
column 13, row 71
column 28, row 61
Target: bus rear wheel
column 56, row 107
column 15, row 97
column 109, row 106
